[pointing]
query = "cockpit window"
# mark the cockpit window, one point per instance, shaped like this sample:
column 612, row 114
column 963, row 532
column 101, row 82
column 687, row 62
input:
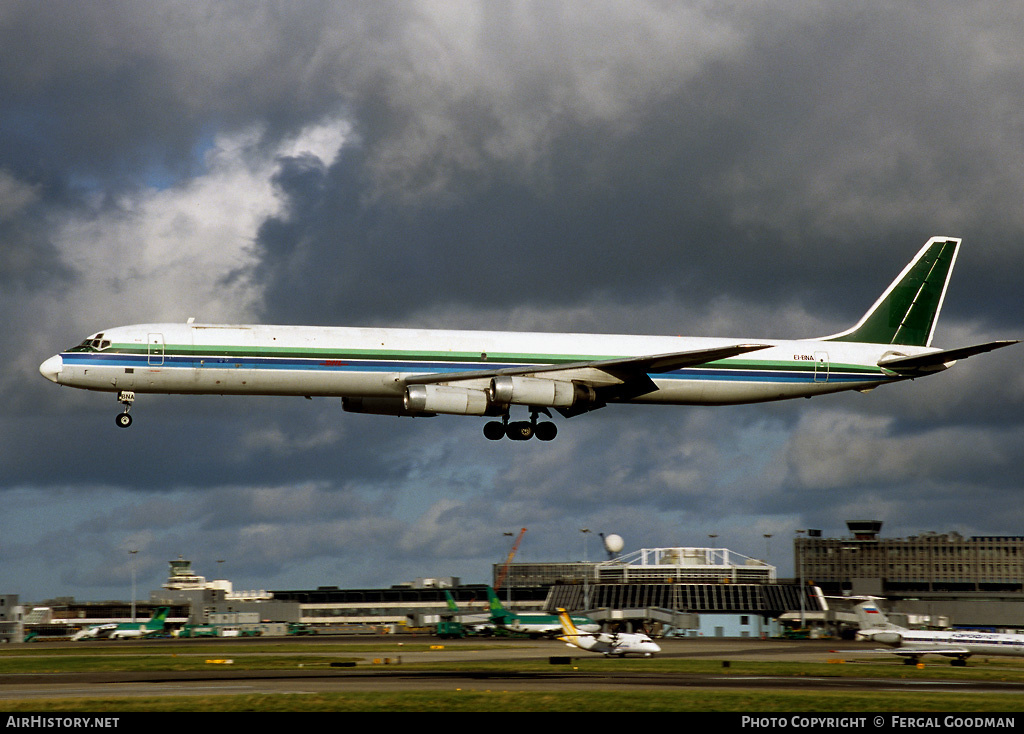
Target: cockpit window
column 93, row 344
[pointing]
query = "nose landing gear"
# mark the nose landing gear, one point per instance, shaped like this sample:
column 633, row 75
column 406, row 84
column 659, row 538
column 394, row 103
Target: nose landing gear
column 521, row 430
column 126, row 398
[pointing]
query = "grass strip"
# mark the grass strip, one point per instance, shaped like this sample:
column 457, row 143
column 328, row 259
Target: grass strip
column 488, row 700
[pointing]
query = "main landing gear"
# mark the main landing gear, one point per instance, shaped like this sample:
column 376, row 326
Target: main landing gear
column 126, row 398
column 521, row 430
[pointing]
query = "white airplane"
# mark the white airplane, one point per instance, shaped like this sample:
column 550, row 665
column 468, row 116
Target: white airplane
column 912, row 644
column 535, row 624
column 124, row 630
column 607, row 643
column 423, row 372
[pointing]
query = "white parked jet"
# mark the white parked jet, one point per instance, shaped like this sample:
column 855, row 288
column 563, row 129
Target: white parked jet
column 912, row 644
column 125, row 630
column 535, row 624
column 421, row 372
column 607, row 643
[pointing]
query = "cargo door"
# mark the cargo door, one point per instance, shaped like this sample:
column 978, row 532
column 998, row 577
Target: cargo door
column 155, row 350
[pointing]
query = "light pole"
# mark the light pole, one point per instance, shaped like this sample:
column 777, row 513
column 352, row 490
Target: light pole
column 800, row 562
column 586, row 570
column 133, row 553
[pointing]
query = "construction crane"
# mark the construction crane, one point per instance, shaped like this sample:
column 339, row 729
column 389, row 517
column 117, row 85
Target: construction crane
column 511, row 554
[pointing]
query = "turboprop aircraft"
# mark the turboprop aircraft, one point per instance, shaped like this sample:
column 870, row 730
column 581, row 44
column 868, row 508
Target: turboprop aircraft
column 424, row 372
column 125, row 630
column 610, row 644
column 912, row 644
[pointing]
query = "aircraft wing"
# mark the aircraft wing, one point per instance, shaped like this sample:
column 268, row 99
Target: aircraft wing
column 622, row 368
column 938, row 360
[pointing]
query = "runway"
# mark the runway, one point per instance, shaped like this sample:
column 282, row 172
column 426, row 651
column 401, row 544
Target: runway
column 382, row 669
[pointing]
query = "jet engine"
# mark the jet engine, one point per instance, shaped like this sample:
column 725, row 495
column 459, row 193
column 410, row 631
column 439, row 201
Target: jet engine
column 381, row 406
column 514, row 390
column 446, row 399
column 884, row 637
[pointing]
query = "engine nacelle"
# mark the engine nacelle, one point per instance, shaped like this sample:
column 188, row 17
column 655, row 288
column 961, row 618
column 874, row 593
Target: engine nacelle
column 884, row 637
column 888, row 638
column 514, row 390
column 381, row 406
column 446, row 399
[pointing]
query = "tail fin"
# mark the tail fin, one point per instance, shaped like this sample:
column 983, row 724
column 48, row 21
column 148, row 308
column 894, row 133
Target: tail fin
column 497, row 610
column 907, row 312
column 869, row 616
column 159, row 617
column 452, row 606
column 570, row 633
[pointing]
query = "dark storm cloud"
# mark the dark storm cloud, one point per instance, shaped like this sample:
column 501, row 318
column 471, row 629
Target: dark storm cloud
column 819, row 156
column 28, row 258
column 115, row 92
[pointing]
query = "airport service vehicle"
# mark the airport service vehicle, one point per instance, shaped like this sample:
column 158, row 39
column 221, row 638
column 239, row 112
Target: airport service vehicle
column 426, row 372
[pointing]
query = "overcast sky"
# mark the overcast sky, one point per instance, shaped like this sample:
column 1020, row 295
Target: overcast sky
column 740, row 169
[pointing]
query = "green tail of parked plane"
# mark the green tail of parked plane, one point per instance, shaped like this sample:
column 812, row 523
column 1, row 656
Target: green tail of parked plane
column 425, row 372
column 450, row 601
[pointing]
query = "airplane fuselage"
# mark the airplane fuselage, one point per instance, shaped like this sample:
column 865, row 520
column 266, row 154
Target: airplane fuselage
column 543, row 624
column 976, row 643
column 615, row 645
column 377, row 363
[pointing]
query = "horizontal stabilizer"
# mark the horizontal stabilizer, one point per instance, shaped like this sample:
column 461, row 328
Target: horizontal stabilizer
column 934, row 361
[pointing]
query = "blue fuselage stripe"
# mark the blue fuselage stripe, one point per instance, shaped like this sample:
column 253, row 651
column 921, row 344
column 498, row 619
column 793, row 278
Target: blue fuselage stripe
column 172, row 361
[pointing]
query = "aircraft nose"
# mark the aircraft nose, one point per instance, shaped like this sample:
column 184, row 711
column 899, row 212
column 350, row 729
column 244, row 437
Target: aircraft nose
column 50, row 369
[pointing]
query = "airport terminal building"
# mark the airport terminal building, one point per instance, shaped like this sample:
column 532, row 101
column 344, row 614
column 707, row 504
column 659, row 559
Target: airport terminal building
column 935, row 578
column 681, row 591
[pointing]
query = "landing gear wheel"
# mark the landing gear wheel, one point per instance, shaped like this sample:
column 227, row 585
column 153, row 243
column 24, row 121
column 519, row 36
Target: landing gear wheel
column 126, row 398
column 494, row 430
column 546, row 431
column 520, row 431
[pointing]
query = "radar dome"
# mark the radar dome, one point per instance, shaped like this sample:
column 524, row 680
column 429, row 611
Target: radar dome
column 613, row 543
